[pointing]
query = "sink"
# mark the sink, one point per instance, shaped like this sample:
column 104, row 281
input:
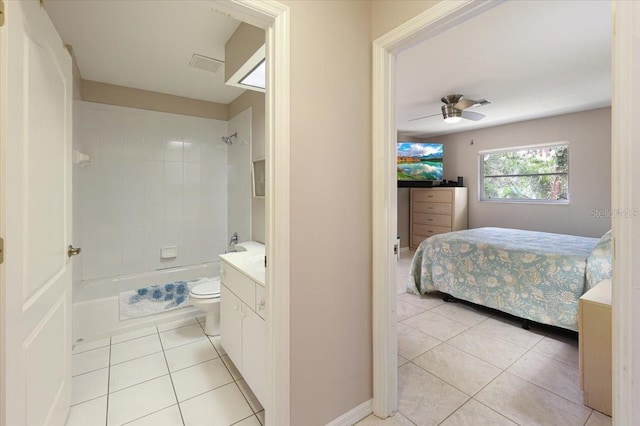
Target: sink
column 257, row 262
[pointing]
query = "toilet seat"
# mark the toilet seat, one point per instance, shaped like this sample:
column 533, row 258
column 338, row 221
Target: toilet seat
column 206, row 290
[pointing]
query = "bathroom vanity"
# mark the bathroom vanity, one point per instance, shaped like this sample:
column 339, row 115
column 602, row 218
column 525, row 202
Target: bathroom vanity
column 242, row 314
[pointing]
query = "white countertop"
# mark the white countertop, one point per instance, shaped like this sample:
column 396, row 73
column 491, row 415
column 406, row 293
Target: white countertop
column 249, row 262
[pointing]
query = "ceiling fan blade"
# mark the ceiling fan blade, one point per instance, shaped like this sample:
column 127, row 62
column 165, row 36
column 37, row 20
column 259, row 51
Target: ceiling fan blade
column 426, row 116
column 473, row 116
column 465, row 103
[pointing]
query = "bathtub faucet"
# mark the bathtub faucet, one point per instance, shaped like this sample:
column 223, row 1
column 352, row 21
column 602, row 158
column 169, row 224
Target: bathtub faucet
column 232, row 242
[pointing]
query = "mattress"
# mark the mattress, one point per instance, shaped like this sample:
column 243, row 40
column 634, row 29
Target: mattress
column 533, row 275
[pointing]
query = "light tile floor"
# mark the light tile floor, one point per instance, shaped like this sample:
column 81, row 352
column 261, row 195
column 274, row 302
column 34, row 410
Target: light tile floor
column 464, row 365
column 170, row 375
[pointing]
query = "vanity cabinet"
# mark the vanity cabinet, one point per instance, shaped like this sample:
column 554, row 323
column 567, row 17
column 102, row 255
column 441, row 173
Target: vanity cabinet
column 242, row 326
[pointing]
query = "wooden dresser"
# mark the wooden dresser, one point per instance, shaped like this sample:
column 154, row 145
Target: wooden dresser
column 436, row 211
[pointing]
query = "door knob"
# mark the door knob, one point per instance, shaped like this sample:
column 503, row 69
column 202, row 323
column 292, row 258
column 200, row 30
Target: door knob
column 72, row 251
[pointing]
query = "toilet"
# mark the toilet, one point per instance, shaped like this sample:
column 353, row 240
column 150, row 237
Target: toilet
column 206, row 297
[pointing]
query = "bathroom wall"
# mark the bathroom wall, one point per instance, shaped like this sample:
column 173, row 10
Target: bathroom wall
column 255, row 101
column 239, row 187
column 157, row 179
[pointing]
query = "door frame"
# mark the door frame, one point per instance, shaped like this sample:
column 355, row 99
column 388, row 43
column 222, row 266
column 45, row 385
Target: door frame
column 433, row 21
column 625, row 202
column 273, row 17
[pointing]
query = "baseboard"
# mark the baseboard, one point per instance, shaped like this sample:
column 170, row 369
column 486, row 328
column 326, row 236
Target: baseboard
column 352, row 417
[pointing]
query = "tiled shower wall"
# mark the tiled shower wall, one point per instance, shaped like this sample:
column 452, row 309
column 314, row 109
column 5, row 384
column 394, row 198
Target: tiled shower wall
column 155, row 180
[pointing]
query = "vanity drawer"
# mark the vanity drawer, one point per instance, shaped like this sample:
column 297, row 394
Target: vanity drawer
column 239, row 284
column 431, row 219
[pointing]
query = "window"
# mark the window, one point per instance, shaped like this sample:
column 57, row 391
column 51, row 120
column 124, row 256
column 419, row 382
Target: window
column 537, row 173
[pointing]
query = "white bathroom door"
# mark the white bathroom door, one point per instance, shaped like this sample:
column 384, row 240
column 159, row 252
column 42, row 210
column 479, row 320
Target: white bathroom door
column 35, row 212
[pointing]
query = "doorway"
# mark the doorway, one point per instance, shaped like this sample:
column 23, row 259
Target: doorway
column 428, row 24
column 273, row 17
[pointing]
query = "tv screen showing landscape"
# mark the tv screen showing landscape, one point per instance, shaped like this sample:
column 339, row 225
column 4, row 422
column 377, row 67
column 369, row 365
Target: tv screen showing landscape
column 419, row 161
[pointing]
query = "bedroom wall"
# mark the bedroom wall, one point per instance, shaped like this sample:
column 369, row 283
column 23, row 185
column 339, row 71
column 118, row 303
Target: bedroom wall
column 403, row 202
column 589, row 135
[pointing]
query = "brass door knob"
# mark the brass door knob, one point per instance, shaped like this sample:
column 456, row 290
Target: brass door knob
column 72, row 251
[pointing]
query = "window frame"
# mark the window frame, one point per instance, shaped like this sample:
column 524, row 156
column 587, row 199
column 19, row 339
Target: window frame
column 481, row 175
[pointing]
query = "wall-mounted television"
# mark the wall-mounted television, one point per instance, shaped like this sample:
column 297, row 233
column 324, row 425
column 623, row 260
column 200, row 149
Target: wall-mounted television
column 419, row 163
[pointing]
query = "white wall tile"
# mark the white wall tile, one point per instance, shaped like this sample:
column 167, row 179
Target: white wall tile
column 154, row 215
column 192, row 173
column 173, row 150
column 191, row 150
column 110, row 134
column 153, row 140
column 133, row 255
column 173, row 173
column 133, row 136
column 154, row 182
column 157, row 179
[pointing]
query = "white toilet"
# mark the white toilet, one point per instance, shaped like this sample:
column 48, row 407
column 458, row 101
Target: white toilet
column 206, row 297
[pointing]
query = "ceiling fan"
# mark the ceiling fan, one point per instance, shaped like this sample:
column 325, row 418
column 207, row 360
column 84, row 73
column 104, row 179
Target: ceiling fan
column 454, row 109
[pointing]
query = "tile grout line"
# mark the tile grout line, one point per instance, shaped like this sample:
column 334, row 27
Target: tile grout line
column 533, row 384
column 106, row 413
column 496, row 411
column 207, row 391
column 242, row 420
column 456, row 410
column 235, row 381
column 542, row 387
column 170, row 378
column 245, row 397
column 527, row 351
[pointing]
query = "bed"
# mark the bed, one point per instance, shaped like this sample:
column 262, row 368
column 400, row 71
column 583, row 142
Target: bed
column 536, row 276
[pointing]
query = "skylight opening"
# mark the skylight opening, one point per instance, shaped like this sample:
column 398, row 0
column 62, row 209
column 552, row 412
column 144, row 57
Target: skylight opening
column 257, row 77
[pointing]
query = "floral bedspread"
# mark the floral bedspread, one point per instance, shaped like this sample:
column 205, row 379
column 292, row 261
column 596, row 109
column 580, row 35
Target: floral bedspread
column 533, row 275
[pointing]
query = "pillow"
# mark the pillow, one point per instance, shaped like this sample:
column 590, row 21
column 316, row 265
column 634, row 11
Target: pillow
column 600, row 262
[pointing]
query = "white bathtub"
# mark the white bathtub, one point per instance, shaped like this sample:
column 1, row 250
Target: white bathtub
column 96, row 313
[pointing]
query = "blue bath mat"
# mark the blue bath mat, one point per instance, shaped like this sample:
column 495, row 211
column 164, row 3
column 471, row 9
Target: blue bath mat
column 156, row 299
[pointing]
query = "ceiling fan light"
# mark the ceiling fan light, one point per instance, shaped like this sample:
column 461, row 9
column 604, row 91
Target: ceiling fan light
column 450, row 114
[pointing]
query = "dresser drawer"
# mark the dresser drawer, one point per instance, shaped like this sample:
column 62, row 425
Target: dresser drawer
column 431, row 219
column 429, row 230
column 239, row 284
column 435, row 196
column 417, row 239
column 435, row 208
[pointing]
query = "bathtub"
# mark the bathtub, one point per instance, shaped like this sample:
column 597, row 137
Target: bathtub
column 96, row 313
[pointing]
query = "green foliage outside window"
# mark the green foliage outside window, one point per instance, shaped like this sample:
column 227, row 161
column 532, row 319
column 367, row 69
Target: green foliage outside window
column 526, row 174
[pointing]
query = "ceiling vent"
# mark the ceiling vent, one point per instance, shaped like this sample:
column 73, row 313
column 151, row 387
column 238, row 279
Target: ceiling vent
column 205, row 63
